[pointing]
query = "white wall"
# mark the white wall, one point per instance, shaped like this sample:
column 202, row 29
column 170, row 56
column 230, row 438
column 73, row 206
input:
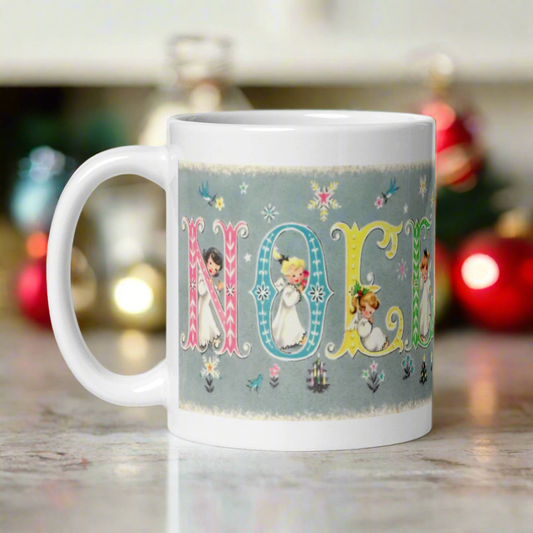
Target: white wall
column 278, row 41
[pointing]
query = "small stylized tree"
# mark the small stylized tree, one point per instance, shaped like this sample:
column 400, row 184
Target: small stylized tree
column 423, row 371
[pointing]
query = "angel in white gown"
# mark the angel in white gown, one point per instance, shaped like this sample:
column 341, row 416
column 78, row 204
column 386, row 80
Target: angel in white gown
column 364, row 304
column 287, row 330
column 425, row 300
column 208, row 331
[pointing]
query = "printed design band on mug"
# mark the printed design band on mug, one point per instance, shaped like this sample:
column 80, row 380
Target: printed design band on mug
column 309, row 291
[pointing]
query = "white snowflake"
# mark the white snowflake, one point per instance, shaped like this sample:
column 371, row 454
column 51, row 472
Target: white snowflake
column 402, row 270
column 423, row 187
column 323, row 199
column 262, row 292
column 230, row 290
column 248, row 258
column 405, row 208
column 269, row 213
column 317, row 293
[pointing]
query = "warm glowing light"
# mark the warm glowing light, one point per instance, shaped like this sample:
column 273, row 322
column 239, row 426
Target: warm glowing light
column 36, row 245
column 483, row 400
column 480, row 271
column 134, row 344
column 133, row 296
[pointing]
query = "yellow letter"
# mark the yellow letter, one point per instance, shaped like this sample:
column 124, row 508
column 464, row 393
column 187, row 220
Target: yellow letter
column 355, row 238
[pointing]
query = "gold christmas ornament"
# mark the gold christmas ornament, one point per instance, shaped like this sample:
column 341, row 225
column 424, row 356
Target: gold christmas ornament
column 138, row 297
column 515, row 223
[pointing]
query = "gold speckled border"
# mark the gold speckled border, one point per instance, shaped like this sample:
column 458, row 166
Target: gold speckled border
column 252, row 170
column 305, row 417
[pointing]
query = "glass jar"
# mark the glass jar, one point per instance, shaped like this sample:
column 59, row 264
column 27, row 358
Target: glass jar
column 202, row 84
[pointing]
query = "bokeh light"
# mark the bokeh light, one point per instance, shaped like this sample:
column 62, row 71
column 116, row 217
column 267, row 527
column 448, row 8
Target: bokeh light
column 133, row 295
column 480, row 271
column 133, row 344
column 36, row 245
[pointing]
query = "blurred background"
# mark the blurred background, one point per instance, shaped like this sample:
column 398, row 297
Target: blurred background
column 79, row 77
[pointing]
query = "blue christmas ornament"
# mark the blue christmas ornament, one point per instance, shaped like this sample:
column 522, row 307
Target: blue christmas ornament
column 41, row 178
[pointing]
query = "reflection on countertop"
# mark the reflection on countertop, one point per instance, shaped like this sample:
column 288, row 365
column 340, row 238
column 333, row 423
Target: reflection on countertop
column 70, row 462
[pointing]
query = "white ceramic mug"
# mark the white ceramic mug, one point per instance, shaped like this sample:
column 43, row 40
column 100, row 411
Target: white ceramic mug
column 300, row 251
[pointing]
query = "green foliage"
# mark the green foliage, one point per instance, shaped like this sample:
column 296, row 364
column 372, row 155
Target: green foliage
column 461, row 213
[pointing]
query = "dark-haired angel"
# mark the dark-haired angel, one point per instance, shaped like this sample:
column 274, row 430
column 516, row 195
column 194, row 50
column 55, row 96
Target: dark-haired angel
column 208, row 331
column 425, row 294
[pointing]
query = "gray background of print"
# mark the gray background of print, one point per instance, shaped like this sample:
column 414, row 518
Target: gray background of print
column 290, row 194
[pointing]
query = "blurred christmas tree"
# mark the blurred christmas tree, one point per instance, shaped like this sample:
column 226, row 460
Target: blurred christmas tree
column 466, row 184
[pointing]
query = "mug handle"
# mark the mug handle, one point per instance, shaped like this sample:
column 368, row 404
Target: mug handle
column 144, row 389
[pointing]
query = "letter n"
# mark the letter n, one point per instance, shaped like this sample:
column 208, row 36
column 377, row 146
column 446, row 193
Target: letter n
column 227, row 314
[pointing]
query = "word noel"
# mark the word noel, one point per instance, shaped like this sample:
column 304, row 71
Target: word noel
column 283, row 335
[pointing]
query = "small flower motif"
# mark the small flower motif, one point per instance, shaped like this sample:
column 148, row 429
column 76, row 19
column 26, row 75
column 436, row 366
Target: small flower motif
column 230, row 290
column 262, row 292
column 405, row 208
column 423, row 188
column 210, row 367
column 408, row 367
column 372, row 378
column 193, row 285
column 243, row 187
column 248, row 258
column 402, row 270
column 317, row 293
column 269, row 213
column 220, row 203
column 379, row 202
column 274, row 371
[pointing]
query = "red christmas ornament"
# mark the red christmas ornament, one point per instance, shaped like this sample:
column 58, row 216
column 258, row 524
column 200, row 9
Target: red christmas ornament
column 493, row 281
column 459, row 157
column 31, row 292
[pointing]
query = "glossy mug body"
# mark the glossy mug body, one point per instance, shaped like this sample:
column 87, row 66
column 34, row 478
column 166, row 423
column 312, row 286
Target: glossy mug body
column 300, row 265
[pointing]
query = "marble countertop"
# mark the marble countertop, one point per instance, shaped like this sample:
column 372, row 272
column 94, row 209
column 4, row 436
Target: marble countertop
column 70, row 462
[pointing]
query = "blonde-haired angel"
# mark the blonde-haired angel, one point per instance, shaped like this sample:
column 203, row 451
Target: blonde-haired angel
column 287, row 330
column 364, row 304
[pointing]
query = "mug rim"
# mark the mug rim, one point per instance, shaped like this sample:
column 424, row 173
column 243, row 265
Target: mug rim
column 301, row 119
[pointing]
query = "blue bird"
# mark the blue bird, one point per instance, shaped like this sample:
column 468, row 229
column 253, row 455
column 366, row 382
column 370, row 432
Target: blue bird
column 204, row 193
column 392, row 190
column 255, row 383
